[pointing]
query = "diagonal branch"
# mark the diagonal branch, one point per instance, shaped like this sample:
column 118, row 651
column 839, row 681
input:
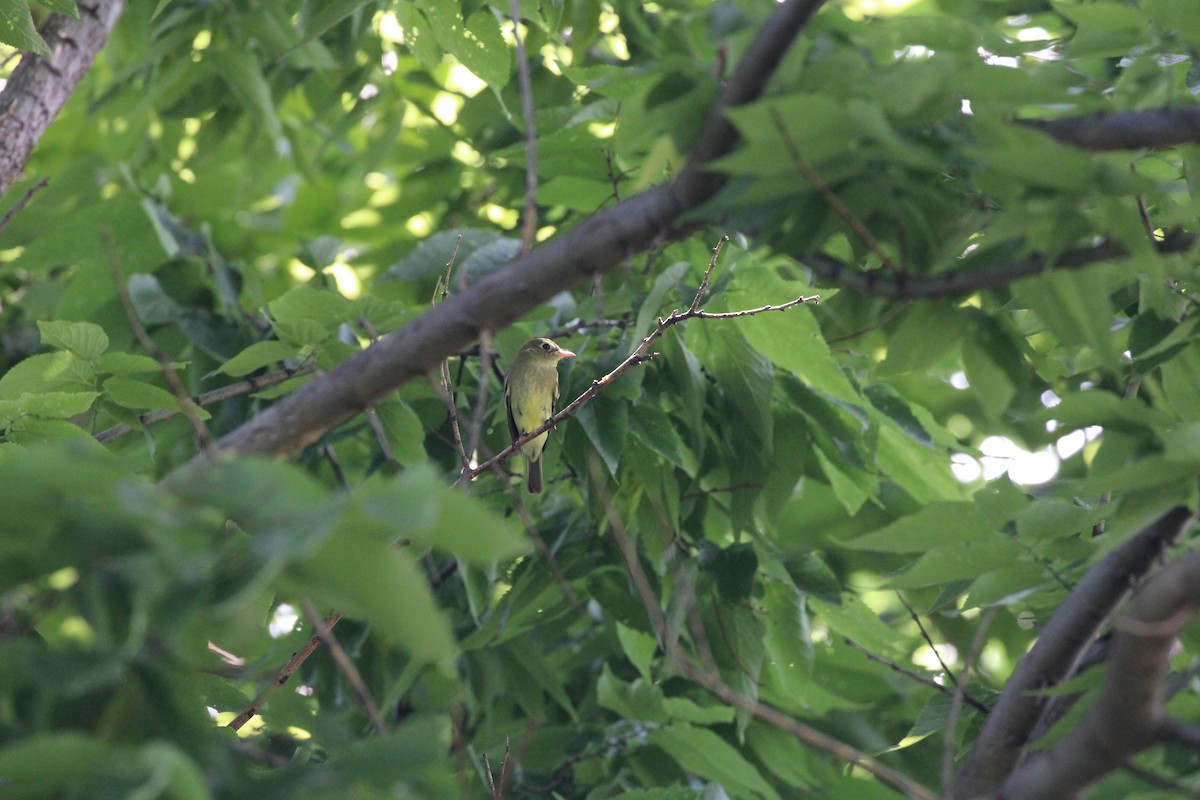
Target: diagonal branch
column 41, row 85
column 905, row 286
column 1131, row 130
column 1128, row 716
column 496, row 301
column 1014, row 717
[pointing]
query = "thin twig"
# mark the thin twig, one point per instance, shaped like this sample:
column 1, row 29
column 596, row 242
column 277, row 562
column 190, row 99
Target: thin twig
column 835, row 202
column 281, row 677
column 209, row 398
column 177, row 388
column 916, row 676
column 346, row 665
column 486, row 356
column 443, row 386
column 24, row 201
column 339, row 476
column 927, row 638
column 487, row 770
column 509, row 766
column 640, row 355
column 529, row 216
column 709, row 680
column 960, row 694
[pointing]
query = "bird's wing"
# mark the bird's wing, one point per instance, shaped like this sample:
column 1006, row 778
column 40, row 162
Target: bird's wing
column 512, row 423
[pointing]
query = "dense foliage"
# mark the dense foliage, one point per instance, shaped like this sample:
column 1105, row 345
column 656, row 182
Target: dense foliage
column 274, row 185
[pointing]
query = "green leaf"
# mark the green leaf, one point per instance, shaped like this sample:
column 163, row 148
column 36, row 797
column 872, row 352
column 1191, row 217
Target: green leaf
column 420, row 506
column 732, row 567
column 650, row 425
column 257, row 356
column 812, row 575
column 139, row 396
column 933, row 525
column 307, row 304
column 153, row 305
column 639, row 648
column 404, row 431
column 242, row 72
column 359, row 570
column 924, row 335
column 60, row 7
column 393, row 758
column 430, row 256
column 852, row 618
column 57, row 405
column 17, row 30
column 1074, row 304
column 743, row 375
column 606, row 423
column 791, row 339
column 43, row 372
column 652, row 307
column 85, row 339
column 958, row 561
column 704, row 753
column 50, row 764
column 1180, row 377
column 1051, row 518
column 117, row 363
column 1103, row 28
column 477, row 44
column 318, row 17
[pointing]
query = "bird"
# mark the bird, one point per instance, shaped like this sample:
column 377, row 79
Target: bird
column 530, row 392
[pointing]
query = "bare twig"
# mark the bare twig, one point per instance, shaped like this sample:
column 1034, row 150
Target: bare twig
column 916, row 676
column 139, row 330
column 844, row 211
column 24, row 201
column 338, row 475
column 281, row 677
column 486, row 357
column 209, row 398
column 443, row 386
column 928, row 640
column 640, row 355
column 960, row 694
column 345, row 665
column 529, row 216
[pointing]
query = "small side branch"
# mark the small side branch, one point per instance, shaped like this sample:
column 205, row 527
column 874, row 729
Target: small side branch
column 281, row 677
column 208, row 398
column 1128, row 716
column 905, row 286
column 1133, row 130
column 1016, row 714
column 640, row 355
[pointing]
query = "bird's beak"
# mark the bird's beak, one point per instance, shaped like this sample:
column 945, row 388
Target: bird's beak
column 564, row 354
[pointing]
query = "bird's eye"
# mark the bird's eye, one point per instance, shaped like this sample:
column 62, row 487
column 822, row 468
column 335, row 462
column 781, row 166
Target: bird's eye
column 545, row 345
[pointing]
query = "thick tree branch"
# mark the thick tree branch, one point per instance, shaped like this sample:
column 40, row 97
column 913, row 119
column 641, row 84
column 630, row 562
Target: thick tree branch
column 41, row 85
column 1014, row 717
column 905, row 286
column 1128, row 716
column 1132, row 130
column 499, row 299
